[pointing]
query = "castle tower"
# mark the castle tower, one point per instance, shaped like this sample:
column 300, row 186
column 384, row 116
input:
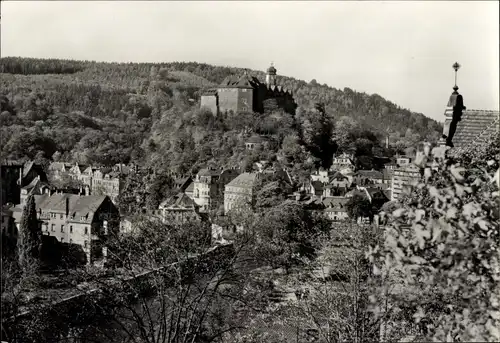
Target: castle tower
column 271, row 75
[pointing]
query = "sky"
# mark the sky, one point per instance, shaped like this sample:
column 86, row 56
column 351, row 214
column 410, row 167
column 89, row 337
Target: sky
column 401, row 50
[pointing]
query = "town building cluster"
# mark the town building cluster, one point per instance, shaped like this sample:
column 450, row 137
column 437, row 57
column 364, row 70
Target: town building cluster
column 92, row 180
column 76, row 204
column 80, row 215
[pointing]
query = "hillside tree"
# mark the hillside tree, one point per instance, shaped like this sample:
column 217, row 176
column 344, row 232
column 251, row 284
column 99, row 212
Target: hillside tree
column 30, row 233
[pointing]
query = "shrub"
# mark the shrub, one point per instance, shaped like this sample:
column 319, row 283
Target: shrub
column 441, row 252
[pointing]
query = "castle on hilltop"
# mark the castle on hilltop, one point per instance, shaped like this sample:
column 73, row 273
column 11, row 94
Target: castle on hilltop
column 248, row 94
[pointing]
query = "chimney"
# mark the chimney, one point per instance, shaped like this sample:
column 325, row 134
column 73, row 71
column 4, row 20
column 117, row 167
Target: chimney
column 67, row 206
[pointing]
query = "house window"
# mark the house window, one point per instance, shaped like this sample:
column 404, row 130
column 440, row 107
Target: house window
column 61, row 216
column 53, row 227
column 62, row 228
column 86, row 230
column 85, row 244
column 71, row 229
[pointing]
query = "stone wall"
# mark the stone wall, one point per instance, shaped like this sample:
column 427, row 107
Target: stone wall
column 210, row 102
column 228, row 99
column 245, row 100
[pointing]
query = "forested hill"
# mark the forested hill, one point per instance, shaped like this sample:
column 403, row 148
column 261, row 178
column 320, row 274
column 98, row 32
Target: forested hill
column 95, row 112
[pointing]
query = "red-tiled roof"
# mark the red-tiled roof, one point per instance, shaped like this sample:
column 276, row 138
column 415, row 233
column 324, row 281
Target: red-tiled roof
column 475, row 125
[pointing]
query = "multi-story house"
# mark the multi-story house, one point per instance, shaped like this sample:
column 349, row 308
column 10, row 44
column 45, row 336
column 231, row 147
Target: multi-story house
column 340, row 181
column 95, row 181
column 322, row 175
column 86, row 175
column 343, row 161
column 179, row 208
column 387, row 173
column 335, row 208
column 58, row 169
column 255, row 142
column 403, row 177
column 109, row 184
column 403, row 161
column 390, row 166
column 208, row 185
column 240, row 191
column 76, row 219
column 367, row 177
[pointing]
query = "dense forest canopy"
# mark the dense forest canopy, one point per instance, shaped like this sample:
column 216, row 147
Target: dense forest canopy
column 148, row 113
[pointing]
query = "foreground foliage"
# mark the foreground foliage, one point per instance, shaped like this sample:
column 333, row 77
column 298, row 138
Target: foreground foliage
column 442, row 249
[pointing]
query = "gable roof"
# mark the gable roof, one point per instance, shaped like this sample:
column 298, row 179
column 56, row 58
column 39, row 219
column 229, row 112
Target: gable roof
column 208, row 172
column 180, row 200
column 475, row 127
column 336, row 203
column 32, row 184
column 59, row 166
column 372, row 191
column 354, row 192
column 78, row 205
column 244, row 81
column 27, row 168
column 337, row 176
column 182, row 182
column 209, row 92
column 317, row 185
column 374, row 174
column 190, row 188
column 244, row 180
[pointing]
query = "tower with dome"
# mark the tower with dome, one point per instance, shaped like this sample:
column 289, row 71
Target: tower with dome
column 246, row 93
